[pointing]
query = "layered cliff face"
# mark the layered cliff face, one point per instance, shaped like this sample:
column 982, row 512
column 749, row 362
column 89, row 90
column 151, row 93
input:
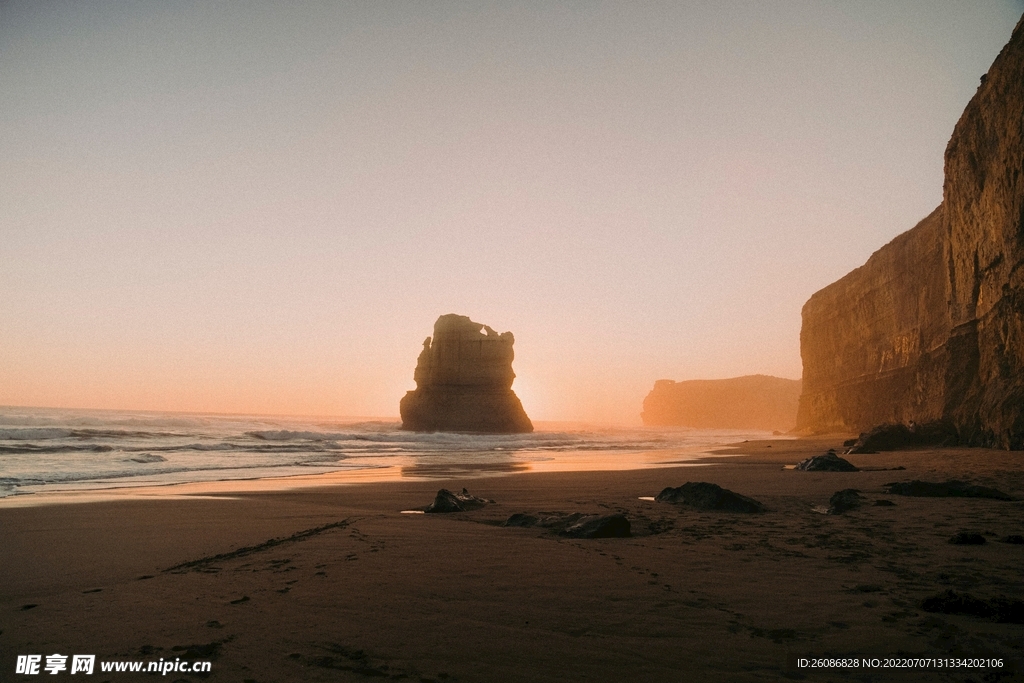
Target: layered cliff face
column 932, row 326
column 873, row 346
column 464, row 382
column 751, row 402
column 983, row 197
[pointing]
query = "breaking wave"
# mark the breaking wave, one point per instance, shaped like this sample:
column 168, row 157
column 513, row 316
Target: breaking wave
column 43, row 449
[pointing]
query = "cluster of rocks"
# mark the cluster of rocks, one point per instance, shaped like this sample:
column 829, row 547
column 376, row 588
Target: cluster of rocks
column 945, row 489
column 708, row 497
column 574, row 525
column 897, row 436
column 851, row 499
column 841, row 501
column 447, row 501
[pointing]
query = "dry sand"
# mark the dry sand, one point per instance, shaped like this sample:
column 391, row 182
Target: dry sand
column 380, row 594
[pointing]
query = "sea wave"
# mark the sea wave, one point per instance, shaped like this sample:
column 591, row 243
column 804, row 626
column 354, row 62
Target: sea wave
column 179, row 448
column 72, row 477
column 289, row 435
column 51, row 433
column 33, row 448
column 46, row 447
column 397, row 440
column 34, row 433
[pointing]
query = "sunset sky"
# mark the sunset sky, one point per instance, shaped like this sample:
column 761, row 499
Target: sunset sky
column 262, row 207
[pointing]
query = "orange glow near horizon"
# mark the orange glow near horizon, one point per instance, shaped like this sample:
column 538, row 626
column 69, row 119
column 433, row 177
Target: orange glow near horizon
column 262, row 208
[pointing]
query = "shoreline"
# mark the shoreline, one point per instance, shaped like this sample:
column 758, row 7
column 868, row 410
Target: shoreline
column 319, row 583
column 604, row 461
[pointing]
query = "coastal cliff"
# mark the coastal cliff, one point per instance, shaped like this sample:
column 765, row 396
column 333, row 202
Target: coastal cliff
column 464, row 382
column 750, row 402
column 932, row 326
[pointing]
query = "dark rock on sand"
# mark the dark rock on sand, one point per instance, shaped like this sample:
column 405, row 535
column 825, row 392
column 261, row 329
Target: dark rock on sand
column 827, row 462
column 894, row 437
column 945, row 489
column 884, row 502
column 847, row 499
column 1014, row 539
column 967, row 538
column 575, row 525
column 521, row 519
column 558, row 521
column 999, row 609
column 464, row 382
column 886, row 437
column 446, row 501
column 705, row 496
column 599, row 526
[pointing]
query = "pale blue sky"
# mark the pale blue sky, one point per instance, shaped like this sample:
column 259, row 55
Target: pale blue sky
column 263, row 207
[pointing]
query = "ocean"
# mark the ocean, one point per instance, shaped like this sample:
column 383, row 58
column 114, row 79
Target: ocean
column 47, row 450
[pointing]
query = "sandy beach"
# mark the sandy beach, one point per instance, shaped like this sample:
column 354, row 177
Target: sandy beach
column 334, row 583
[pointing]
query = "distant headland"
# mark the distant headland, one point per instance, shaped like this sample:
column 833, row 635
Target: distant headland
column 751, row 402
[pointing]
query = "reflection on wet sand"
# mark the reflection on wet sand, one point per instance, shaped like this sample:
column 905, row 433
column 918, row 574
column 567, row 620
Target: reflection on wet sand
column 486, row 464
column 450, row 470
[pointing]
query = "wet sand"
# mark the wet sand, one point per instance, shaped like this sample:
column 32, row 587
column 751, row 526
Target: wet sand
column 336, row 584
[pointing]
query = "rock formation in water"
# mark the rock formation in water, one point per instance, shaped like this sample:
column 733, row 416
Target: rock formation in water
column 931, row 328
column 751, row 402
column 464, row 382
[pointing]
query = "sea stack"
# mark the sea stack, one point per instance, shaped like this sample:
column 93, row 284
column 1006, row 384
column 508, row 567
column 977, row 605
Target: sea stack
column 464, row 382
column 931, row 328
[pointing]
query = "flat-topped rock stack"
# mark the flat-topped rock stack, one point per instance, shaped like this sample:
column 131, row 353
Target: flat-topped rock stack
column 464, row 382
